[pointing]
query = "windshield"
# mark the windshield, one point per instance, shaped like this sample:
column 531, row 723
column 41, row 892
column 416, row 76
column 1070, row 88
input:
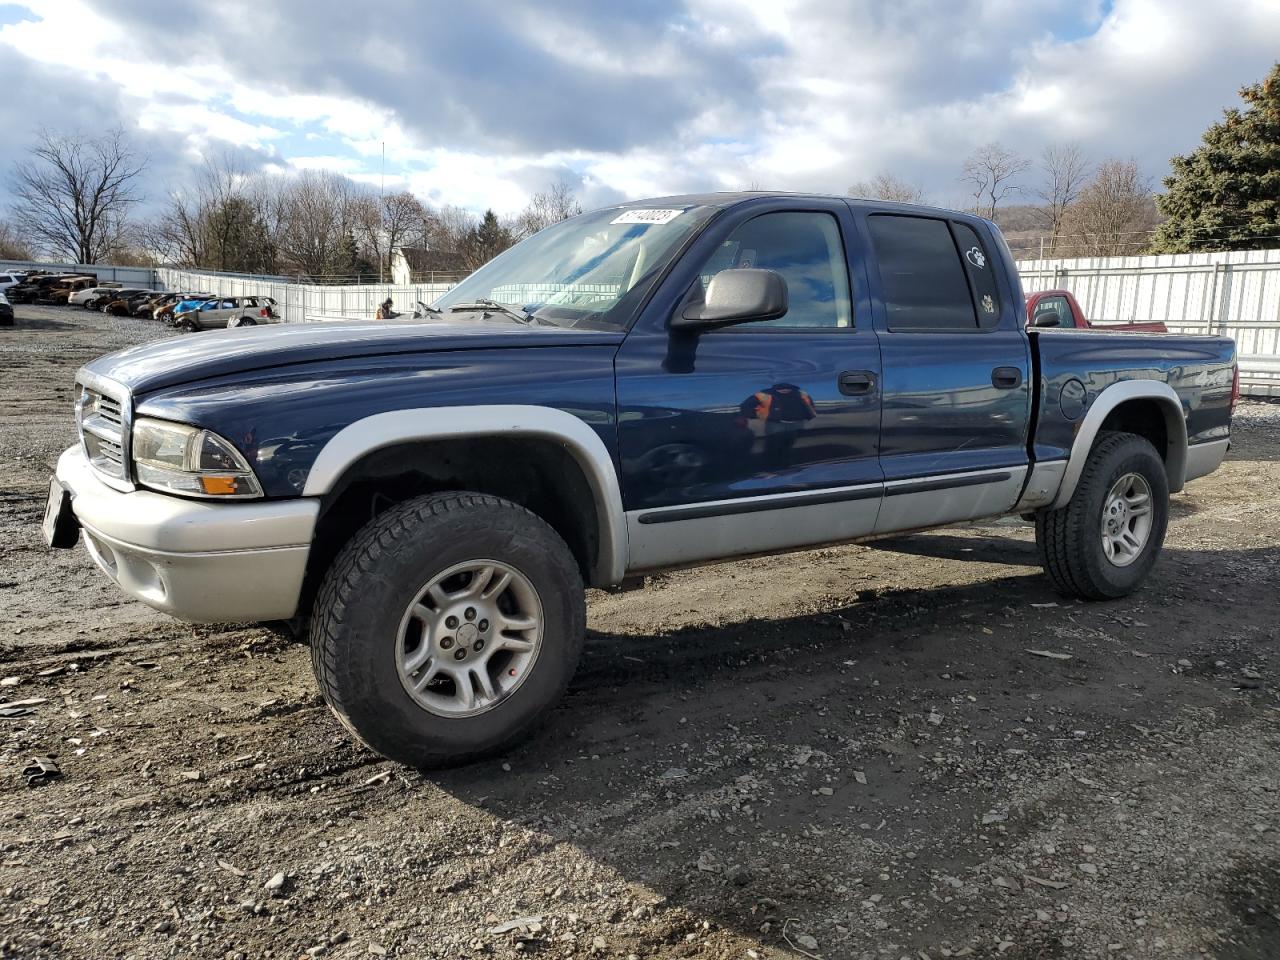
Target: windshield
column 593, row 270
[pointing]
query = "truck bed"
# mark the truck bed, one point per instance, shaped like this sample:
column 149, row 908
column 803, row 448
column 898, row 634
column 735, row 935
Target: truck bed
column 1198, row 368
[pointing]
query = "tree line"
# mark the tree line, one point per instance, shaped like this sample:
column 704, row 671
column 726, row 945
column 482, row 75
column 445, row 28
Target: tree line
column 1060, row 204
column 77, row 198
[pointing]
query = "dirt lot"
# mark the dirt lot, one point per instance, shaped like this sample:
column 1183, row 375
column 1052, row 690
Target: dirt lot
column 842, row 753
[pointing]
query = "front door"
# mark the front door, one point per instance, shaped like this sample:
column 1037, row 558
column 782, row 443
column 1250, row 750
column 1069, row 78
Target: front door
column 760, row 436
column 957, row 374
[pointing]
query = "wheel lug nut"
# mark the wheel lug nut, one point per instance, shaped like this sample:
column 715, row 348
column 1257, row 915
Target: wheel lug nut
column 471, row 613
column 446, row 643
column 478, row 646
column 460, row 653
column 484, row 625
column 451, row 623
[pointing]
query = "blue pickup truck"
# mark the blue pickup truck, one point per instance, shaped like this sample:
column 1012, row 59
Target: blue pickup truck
column 643, row 387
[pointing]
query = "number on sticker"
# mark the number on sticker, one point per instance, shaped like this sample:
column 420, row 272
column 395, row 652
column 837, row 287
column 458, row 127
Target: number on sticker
column 653, row 217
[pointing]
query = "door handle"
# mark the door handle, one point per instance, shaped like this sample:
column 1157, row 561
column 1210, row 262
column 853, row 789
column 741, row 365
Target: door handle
column 1006, row 378
column 857, row 383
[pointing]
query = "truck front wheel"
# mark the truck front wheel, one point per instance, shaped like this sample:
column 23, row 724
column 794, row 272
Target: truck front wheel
column 447, row 628
column 1105, row 541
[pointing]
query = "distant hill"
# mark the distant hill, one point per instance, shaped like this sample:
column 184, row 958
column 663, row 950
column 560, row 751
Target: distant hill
column 1023, row 225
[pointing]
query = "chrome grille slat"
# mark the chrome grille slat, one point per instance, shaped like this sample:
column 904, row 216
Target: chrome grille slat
column 109, row 410
column 101, row 428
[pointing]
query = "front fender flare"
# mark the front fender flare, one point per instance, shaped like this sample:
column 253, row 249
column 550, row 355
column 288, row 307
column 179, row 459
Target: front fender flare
column 504, row 420
column 1175, row 464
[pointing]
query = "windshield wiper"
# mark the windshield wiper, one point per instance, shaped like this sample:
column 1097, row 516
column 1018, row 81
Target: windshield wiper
column 491, row 306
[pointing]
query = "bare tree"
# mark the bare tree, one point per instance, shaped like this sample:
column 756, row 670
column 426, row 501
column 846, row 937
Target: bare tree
column 887, row 186
column 449, row 227
column 1065, row 172
column 552, row 205
column 1114, row 215
column 992, row 170
column 214, row 222
column 398, row 220
column 126, row 245
column 174, row 236
column 12, row 245
column 75, row 192
column 318, row 228
column 265, row 194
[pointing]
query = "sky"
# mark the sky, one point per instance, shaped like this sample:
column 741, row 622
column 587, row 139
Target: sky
column 483, row 103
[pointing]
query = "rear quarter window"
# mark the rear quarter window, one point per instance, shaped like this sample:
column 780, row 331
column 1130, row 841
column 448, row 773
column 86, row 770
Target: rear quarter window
column 978, row 265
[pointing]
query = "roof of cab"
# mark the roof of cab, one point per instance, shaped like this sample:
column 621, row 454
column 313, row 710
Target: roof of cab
column 733, row 197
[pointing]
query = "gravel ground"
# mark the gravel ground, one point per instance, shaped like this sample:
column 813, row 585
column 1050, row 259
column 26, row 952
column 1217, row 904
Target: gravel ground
column 842, row 753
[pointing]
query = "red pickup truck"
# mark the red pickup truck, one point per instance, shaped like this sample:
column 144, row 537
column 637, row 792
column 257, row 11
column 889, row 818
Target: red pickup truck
column 1058, row 308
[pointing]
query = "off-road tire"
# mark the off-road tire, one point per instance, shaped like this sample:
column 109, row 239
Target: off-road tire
column 369, row 586
column 1069, row 539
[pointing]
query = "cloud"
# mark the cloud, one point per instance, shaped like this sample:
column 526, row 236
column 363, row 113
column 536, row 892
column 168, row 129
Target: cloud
column 486, row 103
column 536, row 77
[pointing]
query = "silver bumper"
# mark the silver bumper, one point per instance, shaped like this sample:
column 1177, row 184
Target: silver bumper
column 198, row 561
column 1204, row 458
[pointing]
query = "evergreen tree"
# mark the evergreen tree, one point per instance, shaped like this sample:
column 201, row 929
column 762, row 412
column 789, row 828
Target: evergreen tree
column 485, row 241
column 234, row 236
column 1226, row 195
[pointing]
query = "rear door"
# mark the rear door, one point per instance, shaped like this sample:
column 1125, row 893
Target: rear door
column 957, row 373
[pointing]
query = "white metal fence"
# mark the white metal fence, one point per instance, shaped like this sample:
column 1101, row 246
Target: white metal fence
column 105, row 272
column 1236, row 294
column 304, row 302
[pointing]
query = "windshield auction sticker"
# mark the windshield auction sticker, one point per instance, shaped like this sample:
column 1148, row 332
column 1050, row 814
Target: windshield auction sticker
column 647, row 216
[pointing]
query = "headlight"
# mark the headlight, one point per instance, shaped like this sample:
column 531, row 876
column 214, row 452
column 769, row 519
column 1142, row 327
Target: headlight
column 183, row 459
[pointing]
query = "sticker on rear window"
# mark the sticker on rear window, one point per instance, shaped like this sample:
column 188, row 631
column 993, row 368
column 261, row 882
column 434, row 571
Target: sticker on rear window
column 647, row 216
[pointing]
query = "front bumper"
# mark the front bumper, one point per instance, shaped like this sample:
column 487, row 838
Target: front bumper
column 195, row 560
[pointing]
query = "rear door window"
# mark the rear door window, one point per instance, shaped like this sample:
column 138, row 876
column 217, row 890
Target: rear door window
column 922, row 282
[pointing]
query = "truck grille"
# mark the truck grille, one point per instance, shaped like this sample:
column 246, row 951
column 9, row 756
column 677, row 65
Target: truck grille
column 104, row 431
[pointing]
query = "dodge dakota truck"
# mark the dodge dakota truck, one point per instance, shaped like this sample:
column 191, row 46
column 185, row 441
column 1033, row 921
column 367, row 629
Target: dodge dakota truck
column 644, row 387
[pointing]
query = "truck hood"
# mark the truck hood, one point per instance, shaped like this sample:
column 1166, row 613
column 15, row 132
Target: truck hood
column 186, row 359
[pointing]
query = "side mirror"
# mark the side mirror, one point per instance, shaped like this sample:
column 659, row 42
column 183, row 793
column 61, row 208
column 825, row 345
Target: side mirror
column 1048, row 318
column 736, row 296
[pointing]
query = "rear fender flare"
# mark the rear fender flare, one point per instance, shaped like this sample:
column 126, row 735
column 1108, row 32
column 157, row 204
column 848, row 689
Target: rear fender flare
column 1175, row 461
column 381, row 430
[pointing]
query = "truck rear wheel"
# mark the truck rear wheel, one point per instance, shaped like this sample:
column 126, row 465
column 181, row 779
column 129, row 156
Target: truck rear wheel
column 1105, row 541
column 447, row 628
